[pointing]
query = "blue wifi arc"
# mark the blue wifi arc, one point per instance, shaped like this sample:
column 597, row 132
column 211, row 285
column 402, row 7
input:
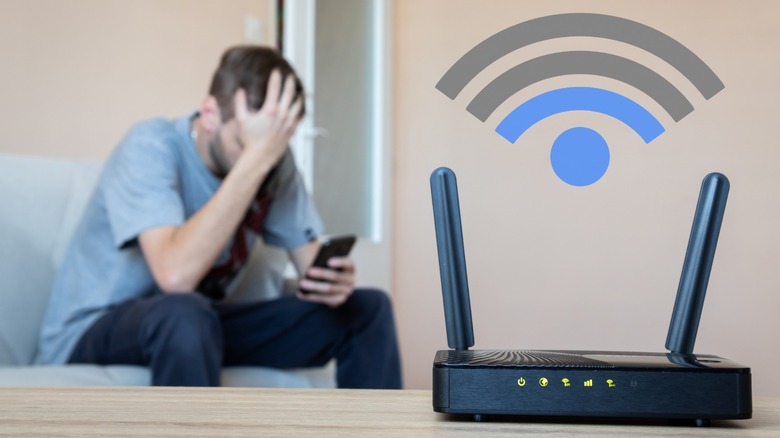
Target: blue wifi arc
column 580, row 156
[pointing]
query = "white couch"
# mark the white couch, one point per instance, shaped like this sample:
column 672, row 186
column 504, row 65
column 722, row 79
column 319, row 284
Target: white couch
column 42, row 200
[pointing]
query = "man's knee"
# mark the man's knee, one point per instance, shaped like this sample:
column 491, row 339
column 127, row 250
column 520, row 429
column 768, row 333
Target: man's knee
column 371, row 304
column 182, row 321
column 375, row 299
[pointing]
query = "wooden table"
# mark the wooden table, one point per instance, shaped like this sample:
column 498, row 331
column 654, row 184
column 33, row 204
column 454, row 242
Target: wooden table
column 192, row 412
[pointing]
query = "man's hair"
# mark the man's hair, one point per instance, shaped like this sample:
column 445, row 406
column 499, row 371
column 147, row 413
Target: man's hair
column 248, row 67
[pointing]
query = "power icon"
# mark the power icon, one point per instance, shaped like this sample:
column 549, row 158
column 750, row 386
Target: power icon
column 543, row 382
column 521, row 382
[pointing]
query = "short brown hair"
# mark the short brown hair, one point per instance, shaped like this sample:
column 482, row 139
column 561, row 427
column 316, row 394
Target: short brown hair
column 248, row 67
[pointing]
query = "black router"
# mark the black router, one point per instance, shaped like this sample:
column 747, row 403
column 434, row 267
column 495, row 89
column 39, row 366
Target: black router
column 677, row 385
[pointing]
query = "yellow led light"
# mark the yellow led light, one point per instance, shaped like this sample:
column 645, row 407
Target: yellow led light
column 543, row 382
column 521, row 382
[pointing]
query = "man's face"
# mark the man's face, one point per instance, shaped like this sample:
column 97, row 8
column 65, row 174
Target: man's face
column 225, row 147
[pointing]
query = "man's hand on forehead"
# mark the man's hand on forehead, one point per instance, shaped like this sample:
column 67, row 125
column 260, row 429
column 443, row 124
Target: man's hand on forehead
column 268, row 130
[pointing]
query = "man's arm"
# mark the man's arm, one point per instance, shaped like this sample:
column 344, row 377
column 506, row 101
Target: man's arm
column 332, row 286
column 179, row 257
column 303, row 256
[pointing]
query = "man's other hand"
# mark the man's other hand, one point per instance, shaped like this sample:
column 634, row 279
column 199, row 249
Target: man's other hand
column 331, row 286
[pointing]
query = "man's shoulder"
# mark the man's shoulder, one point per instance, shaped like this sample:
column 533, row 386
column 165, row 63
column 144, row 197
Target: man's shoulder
column 158, row 128
column 157, row 138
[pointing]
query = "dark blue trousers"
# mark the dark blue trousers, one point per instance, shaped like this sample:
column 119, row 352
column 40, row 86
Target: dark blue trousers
column 185, row 339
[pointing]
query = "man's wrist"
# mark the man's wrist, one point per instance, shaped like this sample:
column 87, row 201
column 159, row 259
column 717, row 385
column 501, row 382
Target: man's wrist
column 256, row 163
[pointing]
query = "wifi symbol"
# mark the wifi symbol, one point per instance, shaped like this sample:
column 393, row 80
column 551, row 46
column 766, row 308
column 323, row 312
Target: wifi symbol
column 580, row 156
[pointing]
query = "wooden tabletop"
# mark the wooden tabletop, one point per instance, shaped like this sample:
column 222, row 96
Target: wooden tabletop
column 193, row 412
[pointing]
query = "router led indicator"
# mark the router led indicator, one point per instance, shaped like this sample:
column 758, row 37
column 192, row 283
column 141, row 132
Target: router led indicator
column 610, row 383
column 588, row 383
column 543, row 382
column 566, row 382
column 521, row 382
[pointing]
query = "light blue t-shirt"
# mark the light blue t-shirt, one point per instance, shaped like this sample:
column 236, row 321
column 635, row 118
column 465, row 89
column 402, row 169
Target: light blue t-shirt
column 155, row 177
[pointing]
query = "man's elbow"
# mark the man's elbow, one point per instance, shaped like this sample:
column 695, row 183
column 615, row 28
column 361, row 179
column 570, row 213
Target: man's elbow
column 173, row 281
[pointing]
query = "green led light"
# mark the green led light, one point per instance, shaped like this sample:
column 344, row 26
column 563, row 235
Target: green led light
column 521, row 382
column 543, row 382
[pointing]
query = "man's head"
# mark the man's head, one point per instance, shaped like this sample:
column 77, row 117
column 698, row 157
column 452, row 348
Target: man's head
column 248, row 67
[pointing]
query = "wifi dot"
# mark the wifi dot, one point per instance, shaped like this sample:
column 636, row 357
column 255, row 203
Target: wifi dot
column 580, row 156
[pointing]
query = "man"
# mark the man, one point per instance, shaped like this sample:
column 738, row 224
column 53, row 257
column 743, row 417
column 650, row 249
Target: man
column 176, row 209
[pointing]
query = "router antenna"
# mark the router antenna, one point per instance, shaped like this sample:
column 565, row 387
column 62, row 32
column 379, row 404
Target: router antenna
column 698, row 264
column 452, row 259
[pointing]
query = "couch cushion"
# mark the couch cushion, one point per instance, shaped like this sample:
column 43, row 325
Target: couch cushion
column 260, row 377
column 25, row 280
column 74, row 375
column 125, row 375
column 6, row 354
column 42, row 201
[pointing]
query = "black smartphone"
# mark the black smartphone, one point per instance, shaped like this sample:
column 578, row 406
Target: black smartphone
column 333, row 247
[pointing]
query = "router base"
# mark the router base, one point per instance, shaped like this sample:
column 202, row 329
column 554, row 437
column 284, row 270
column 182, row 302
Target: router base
column 591, row 384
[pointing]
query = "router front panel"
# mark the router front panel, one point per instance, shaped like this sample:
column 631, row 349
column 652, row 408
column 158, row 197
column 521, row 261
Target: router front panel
column 599, row 393
column 589, row 383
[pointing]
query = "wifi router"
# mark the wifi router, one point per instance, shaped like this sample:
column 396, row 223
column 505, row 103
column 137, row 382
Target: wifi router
column 674, row 385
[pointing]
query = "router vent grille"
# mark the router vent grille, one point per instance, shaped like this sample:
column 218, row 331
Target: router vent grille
column 529, row 358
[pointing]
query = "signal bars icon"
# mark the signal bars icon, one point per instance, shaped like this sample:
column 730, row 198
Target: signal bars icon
column 580, row 156
column 588, row 382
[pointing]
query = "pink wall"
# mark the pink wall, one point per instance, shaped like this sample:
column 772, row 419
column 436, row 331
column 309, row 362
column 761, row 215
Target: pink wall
column 76, row 73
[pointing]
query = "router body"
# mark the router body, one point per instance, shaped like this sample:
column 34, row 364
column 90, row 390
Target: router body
column 590, row 383
column 537, row 383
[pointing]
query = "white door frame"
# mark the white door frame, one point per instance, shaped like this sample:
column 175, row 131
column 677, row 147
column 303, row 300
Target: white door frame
column 373, row 255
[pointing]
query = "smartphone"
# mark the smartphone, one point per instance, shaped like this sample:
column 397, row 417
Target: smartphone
column 333, row 247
